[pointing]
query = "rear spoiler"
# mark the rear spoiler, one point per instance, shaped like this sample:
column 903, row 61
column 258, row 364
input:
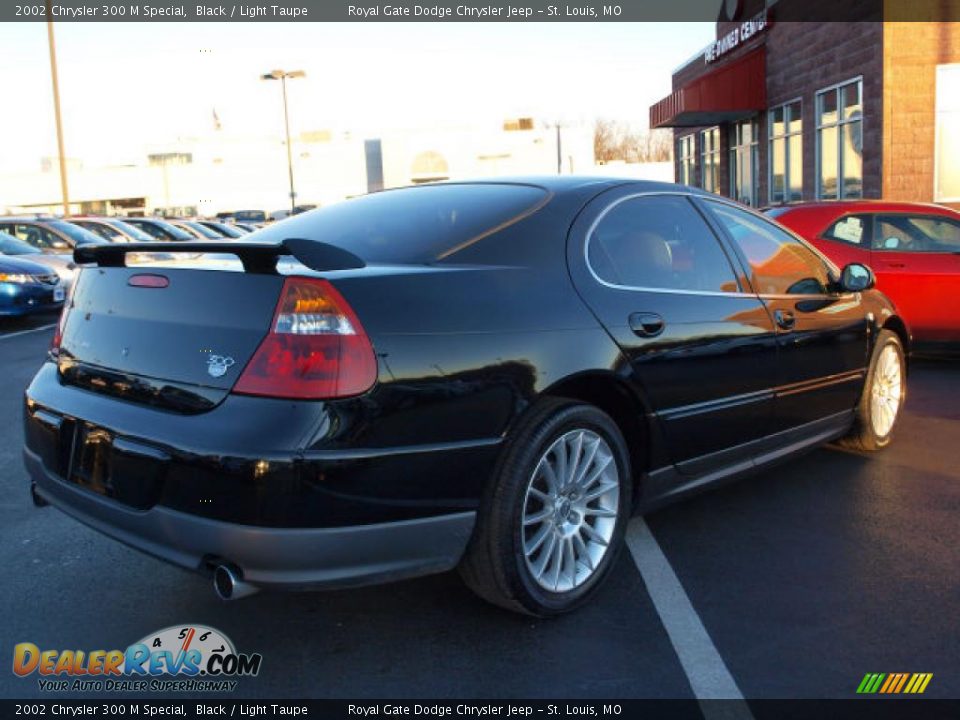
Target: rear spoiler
column 257, row 257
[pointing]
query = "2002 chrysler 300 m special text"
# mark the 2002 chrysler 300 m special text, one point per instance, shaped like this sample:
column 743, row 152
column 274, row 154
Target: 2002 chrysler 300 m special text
column 494, row 375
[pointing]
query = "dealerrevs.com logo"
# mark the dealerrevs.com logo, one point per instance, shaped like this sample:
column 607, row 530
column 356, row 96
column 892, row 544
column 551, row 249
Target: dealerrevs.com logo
column 188, row 658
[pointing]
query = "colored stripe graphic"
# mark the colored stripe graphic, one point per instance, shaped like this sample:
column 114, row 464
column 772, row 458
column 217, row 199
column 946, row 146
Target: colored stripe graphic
column 894, row 683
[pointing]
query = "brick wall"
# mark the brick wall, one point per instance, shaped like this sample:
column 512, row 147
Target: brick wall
column 913, row 50
column 803, row 58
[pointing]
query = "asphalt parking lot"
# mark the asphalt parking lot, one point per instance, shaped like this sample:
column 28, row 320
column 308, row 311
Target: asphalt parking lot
column 794, row 583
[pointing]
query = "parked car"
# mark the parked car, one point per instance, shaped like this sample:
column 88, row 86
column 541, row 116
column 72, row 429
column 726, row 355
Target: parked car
column 62, row 265
column 494, row 375
column 248, row 216
column 913, row 248
column 51, row 235
column 225, row 230
column 197, row 229
column 248, row 227
column 28, row 287
column 112, row 229
column 160, row 229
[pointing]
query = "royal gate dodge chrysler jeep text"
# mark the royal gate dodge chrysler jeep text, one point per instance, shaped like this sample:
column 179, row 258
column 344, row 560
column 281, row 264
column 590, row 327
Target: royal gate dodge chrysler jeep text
column 490, row 375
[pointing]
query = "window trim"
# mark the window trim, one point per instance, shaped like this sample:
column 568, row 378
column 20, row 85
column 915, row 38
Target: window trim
column 817, row 127
column 936, row 135
column 754, row 148
column 715, row 154
column 786, row 136
column 691, row 157
column 671, row 291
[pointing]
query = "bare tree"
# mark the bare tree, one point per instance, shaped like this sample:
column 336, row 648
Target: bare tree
column 614, row 140
column 607, row 141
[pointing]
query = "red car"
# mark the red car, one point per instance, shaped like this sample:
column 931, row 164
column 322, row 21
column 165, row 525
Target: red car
column 913, row 248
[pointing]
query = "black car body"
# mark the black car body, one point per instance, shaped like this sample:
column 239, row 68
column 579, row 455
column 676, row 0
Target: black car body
column 174, row 419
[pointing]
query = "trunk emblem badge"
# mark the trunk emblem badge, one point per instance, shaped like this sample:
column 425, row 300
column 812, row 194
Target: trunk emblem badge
column 217, row 365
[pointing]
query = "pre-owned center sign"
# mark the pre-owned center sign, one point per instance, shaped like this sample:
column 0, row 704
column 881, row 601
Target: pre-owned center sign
column 756, row 25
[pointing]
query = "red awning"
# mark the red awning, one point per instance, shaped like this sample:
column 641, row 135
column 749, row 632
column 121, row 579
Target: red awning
column 730, row 92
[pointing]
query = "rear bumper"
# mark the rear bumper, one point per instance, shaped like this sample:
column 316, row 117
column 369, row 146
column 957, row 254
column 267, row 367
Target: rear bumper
column 289, row 558
column 18, row 300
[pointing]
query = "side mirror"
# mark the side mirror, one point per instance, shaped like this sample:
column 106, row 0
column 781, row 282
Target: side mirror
column 856, row 277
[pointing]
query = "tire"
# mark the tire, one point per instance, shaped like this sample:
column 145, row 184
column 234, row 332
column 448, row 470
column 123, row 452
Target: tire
column 884, row 393
column 503, row 556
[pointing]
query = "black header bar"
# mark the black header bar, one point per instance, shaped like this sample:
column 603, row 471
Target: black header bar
column 159, row 11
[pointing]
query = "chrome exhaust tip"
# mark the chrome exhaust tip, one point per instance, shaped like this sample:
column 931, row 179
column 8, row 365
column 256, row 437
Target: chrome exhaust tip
column 227, row 583
column 35, row 496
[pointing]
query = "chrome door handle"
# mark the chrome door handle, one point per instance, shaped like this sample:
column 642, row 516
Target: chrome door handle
column 785, row 319
column 646, row 324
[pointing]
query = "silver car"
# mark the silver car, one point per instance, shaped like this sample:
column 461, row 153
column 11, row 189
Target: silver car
column 61, row 263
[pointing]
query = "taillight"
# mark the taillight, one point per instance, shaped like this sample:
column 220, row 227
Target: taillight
column 62, row 322
column 316, row 348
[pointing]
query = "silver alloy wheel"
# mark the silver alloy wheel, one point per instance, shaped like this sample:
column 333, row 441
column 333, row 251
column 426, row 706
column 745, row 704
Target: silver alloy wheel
column 570, row 510
column 887, row 391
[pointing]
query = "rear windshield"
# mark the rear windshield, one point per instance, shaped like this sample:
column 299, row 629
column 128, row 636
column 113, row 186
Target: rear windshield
column 417, row 224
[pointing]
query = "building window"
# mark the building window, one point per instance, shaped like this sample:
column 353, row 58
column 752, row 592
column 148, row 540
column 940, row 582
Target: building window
column 840, row 141
column 743, row 162
column 710, row 159
column 786, row 153
column 687, row 157
column 946, row 170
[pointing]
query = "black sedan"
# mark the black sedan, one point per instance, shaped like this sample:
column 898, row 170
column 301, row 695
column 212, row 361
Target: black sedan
column 488, row 375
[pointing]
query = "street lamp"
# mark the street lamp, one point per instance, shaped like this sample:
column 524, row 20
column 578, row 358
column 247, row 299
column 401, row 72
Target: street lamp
column 282, row 76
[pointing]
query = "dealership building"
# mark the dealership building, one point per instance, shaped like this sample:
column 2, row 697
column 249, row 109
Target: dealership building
column 775, row 111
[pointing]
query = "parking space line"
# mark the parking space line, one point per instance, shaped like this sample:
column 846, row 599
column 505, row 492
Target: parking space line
column 707, row 673
column 25, row 332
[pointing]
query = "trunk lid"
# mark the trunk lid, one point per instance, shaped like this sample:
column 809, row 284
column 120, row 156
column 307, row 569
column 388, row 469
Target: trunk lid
column 177, row 338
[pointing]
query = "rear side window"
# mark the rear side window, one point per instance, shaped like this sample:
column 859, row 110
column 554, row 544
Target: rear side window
column 916, row 233
column 418, row 224
column 659, row 242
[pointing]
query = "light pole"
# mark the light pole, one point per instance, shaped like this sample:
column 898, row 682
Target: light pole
column 282, row 76
column 61, row 156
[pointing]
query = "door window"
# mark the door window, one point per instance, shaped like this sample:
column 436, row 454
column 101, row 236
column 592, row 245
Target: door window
column 779, row 263
column 104, row 231
column 38, row 237
column 851, row 229
column 659, row 242
column 908, row 233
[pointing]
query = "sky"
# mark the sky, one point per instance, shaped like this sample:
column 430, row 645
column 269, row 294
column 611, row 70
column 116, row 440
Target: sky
column 130, row 88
